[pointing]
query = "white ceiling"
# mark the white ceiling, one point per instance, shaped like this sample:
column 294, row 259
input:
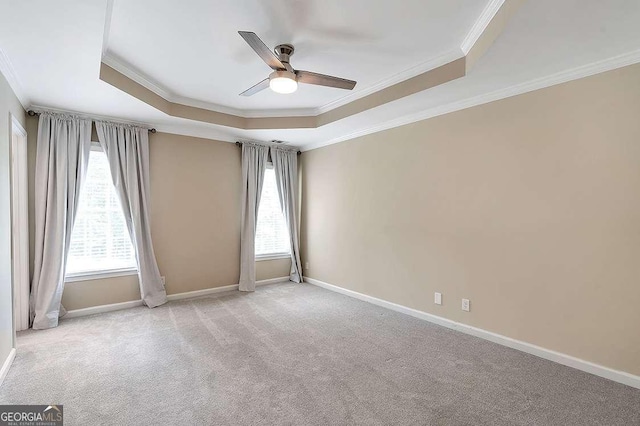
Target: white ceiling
column 52, row 53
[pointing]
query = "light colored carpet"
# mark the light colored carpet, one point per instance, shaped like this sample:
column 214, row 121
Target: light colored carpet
column 296, row 354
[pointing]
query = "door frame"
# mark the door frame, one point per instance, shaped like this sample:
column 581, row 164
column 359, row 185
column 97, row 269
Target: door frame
column 19, row 166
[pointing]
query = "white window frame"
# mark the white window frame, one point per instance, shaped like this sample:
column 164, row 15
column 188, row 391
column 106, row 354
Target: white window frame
column 103, row 273
column 98, row 275
column 272, row 256
column 19, row 230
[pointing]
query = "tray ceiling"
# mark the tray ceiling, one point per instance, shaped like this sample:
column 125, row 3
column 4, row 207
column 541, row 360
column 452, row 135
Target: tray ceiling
column 51, row 54
column 194, row 54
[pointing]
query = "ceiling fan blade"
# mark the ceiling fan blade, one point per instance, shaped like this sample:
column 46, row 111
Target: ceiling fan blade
column 262, row 50
column 324, row 80
column 255, row 89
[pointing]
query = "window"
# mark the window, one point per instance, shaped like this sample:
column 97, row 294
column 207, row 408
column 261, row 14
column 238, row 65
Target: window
column 272, row 236
column 100, row 240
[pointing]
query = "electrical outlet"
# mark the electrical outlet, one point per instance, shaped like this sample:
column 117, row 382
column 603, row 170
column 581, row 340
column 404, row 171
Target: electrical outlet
column 306, row 265
column 466, row 304
column 163, row 280
column 437, row 298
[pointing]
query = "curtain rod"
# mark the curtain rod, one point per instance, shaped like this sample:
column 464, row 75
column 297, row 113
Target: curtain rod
column 33, row 113
column 240, row 144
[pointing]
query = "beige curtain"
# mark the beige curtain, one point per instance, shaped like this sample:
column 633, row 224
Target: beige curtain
column 63, row 147
column 285, row 165
column 254, row 163
column 127, row 149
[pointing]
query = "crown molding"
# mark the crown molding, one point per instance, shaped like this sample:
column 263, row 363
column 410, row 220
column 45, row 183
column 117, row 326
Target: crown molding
column 244, row 113
column 518, row 89
column 107, row 26
column 197, row 132
column 186, row 129
column 6, row 68
column 137, row 76
column 96, row 117
column 480, row 25
column 429, row 65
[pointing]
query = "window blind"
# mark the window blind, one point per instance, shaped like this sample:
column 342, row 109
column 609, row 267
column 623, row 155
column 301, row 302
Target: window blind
column 272, row 236
column 99, row 240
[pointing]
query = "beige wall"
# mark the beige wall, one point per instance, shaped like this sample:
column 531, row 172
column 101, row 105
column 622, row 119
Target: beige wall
column 195, row 221
column 9, row 104
column 528, row 206
column 267, row 269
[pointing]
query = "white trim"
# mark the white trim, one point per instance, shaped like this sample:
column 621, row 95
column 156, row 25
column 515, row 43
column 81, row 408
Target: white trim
column 273, row 256
column 560, row 358
column 518, row 89
column 16, row 124
column 7, row 365
column 98, row 275
column 20, row 238
column 137, row 76
column 199, row 293
column 171, row 297
column 200, row 131
column 214, row 290
column 94, row 117
column 480, row 25
column 102, row 309
column 6, row 68
column 107, row 26
column 197, row 131
column 273, row 281
column 421, row 68
column 248, row 113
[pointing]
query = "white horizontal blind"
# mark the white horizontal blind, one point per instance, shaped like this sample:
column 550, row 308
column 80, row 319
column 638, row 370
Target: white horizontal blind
column 272, row 236
column 100, row 240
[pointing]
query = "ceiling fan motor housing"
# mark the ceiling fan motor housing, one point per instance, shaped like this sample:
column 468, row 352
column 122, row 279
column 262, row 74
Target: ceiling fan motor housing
column 284, row 52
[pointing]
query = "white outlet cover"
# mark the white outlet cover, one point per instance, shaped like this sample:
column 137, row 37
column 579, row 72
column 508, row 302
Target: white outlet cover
column 466, row 305
column 437, row 298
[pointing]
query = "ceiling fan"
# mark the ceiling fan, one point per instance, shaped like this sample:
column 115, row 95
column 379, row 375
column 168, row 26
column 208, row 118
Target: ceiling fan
column 284, row 79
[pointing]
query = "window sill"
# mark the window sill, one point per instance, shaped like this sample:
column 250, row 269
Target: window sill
column 97, row 275
column 273, row 256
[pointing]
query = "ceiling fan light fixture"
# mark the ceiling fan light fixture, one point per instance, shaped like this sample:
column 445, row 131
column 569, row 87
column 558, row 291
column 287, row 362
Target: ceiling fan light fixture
column 283, row 82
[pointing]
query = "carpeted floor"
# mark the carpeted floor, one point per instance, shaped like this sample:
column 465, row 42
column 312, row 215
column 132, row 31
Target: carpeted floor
column 296, row 354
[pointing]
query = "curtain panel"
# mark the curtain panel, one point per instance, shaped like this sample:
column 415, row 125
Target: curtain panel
column 285, row 165
column 127, row 149
column 63, row 147
column 254, row 163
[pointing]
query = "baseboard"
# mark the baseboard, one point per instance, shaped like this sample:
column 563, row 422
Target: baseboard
column 198, row 293
column 100, row 309
column 568, row 360
column 170, row 297
column 273, row 280
column 7, row 365
column 214, row 290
